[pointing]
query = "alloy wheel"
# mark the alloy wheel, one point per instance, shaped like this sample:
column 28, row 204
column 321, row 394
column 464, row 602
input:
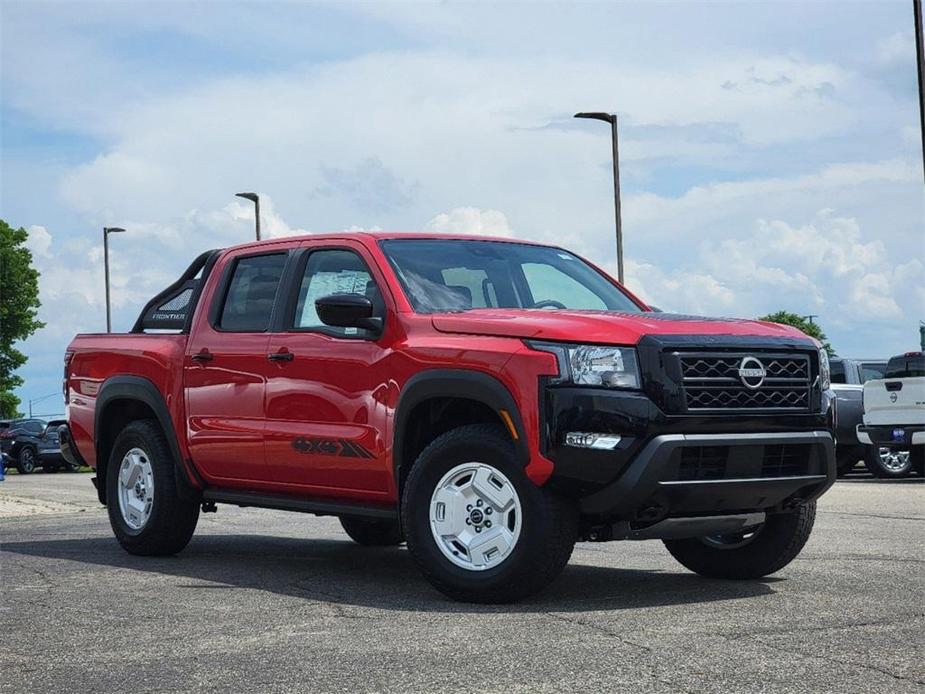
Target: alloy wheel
column 475, row 516
column 136, row 488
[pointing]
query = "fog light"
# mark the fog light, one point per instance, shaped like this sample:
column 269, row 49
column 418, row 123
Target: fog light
column 601, row 442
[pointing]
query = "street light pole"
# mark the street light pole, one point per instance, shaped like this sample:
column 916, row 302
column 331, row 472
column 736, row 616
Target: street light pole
column 920, row 62
column 106, row 232
column 612, row 119
column 256, row 200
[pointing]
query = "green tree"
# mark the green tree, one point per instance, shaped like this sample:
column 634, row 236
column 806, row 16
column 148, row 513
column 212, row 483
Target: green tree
column 811, row 329
column 19, row 304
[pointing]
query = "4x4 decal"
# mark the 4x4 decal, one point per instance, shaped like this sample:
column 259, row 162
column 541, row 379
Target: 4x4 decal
column 338, row 447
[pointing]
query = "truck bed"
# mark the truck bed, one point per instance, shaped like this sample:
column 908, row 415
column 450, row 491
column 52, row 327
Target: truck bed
column 92, row 358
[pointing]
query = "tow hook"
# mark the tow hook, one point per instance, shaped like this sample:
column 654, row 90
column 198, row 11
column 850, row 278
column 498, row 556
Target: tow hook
column 209, row 507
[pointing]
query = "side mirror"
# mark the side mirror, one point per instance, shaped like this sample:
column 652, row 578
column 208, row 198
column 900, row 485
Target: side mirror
column 347, row 311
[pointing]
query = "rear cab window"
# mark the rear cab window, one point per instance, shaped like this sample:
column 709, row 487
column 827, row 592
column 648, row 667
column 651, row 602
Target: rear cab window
column 910, row 365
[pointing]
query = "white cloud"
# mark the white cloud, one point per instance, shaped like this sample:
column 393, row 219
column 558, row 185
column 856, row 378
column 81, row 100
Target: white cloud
column 39, row 240
column 471, row 220
column 897, row 47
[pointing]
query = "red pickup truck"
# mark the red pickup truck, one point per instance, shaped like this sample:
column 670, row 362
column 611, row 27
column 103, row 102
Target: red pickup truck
column 488, row 402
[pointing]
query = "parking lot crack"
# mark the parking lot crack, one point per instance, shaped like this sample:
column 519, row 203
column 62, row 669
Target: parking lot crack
column 849, row 663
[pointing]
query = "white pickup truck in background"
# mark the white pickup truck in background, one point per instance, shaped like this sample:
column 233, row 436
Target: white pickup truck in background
column 894, row 417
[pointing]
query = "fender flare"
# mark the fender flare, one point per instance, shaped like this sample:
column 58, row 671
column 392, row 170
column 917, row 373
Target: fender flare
column 144, row 391
column 459, row 383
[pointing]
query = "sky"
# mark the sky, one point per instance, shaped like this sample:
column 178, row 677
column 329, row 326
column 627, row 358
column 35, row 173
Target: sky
column 771, row 153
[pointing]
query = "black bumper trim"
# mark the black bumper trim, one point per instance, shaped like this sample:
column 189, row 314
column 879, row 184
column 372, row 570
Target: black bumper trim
column 645, row 479
column 68, row 449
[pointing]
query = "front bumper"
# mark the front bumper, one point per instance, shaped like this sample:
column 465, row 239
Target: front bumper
column 664, row 480
column 892, row 436
column 667, row 466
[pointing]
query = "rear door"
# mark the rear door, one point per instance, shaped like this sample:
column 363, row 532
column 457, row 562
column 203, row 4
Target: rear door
column 329, row 394
column 225, row 368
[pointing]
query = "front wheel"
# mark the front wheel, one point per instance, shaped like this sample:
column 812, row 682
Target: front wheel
column 147, row 514
column 751, row 553
column 478, row 528
column 887, row 463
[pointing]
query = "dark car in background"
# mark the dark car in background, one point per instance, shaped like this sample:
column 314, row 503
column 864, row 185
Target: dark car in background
column 32, row 443
column 10, row 429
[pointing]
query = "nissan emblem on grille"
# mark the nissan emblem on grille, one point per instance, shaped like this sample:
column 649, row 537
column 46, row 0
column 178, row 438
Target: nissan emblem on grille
column 751, row 372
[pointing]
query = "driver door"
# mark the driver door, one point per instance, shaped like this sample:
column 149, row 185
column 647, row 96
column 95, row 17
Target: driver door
column 328, row 399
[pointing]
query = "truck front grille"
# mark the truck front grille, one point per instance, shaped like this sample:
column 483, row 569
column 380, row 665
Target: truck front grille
column 716, row 381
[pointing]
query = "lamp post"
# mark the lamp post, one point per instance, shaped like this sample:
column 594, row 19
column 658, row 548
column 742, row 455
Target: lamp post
column 612, row 119
column 920, row 62
column 256, row 200
column 106, row 232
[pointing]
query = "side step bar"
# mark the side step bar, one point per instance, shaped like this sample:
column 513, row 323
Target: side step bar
column 281, row 502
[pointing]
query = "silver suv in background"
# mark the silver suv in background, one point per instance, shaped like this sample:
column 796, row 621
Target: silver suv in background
column 848, row 378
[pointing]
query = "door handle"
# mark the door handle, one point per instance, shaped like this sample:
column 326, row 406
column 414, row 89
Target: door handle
column 281, row 356
column 204, row 355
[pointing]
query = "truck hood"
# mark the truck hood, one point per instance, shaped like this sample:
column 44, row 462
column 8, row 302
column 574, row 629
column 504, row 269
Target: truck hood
column 602, row 327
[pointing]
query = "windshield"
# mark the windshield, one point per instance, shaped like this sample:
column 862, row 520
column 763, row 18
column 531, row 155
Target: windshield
column 454, row 275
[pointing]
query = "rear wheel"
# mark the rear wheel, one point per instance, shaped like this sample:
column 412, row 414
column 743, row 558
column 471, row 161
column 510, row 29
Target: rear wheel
column 753, row 552
column 372, row 533
column 146, row 512
column 26, row 462
column 478, row 528
column 888, row 463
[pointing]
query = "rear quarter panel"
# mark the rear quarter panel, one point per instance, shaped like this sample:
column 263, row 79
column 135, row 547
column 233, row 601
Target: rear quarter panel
column 97, row 358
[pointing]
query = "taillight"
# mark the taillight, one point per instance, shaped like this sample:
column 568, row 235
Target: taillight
column 7, row 435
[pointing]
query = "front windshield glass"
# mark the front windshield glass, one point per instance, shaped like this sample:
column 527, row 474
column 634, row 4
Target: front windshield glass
column 454, row 275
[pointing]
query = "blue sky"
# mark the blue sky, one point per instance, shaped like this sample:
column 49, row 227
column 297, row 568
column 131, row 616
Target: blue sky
column 771, row 152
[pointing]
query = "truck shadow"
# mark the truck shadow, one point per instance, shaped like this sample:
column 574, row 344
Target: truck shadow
column 382, row 578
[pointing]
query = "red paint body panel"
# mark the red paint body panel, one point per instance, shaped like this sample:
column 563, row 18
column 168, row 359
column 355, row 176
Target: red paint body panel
column 247, row 422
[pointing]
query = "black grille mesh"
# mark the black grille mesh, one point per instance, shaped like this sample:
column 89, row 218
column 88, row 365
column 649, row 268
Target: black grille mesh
column 712, row 382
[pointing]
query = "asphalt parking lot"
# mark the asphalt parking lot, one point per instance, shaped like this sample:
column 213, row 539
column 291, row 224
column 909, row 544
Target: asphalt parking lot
column 265, row 601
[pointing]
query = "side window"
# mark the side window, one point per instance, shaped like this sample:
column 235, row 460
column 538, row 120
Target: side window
column 546, row 281
column 252, row 293
column 334, row 271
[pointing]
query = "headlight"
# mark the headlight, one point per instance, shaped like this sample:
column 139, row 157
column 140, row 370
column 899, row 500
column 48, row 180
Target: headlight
column 593, row 365
column 825, row 373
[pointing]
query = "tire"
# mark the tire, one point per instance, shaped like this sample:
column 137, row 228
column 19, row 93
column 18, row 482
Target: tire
column 918, row 459
column 774, row 545
column 164, row 524
column 26, row 461
column 372, row 533
column 535, row 528
column 895, row 467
